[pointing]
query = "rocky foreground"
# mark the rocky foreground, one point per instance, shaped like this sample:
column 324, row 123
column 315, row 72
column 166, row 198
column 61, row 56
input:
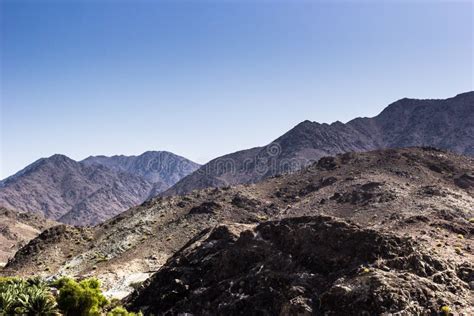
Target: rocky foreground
column 305, row 266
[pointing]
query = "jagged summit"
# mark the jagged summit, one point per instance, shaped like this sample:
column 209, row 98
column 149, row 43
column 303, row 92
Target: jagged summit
column 162, row 168
column 447, row 124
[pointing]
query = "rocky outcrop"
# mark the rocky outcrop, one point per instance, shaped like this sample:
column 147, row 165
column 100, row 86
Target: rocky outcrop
column 302, row 266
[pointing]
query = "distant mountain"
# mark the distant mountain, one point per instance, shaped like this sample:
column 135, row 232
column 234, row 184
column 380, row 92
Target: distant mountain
column 91, row 191
column 446, row 124
column 160, row 167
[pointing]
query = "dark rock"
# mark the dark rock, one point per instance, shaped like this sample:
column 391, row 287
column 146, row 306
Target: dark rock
column 370, row 186
column 465, row 181
column 313, row 187
column 205, row 208
column 417, row 219
column 244, row 202
column 327, row 163
column 432, row 190
column 305, row 266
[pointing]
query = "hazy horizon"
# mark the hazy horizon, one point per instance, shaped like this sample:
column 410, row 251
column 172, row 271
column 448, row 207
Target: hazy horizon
column 203, row 80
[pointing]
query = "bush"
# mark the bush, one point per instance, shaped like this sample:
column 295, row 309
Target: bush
column 30, row 297
column 34, row 297
column 82, row 298
column 120, row 311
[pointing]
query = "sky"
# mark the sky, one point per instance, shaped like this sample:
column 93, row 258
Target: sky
column 206, row 78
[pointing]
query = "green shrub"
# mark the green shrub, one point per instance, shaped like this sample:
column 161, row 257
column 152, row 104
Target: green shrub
column 37, row 301
column 120, row 311
column 33, row 297
column 30, row 297
column 82, row 298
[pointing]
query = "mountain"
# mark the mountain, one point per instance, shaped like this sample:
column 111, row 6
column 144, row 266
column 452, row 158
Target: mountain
column 423, row 194
column 446, row 124
column 89, row 192
column 68, row 191
column 17, row 229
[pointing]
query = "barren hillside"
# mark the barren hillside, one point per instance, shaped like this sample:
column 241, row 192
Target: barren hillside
column 17, row 229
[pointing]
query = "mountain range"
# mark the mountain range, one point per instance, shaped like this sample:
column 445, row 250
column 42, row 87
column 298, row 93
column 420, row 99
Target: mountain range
column 90, row 191
column 446, row 124
column 381, row 232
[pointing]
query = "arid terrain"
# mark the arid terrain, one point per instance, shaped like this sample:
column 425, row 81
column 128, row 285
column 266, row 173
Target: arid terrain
column 17, row 229
column 247, row 158
column 419, row 201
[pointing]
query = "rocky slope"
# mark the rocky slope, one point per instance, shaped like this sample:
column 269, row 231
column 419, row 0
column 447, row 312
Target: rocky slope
column 304, row 266
column 87, row 193
column 447, row 124
column 17, row 229
column 420, row 193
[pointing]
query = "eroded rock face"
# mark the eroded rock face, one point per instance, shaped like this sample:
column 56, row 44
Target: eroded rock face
column 302, row 266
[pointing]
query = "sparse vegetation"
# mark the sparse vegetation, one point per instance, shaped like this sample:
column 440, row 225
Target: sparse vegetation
column 34, row 296
column 30, row 297
column 82, row 298
column 365, row 270
column 445, row 310
column 120, row 311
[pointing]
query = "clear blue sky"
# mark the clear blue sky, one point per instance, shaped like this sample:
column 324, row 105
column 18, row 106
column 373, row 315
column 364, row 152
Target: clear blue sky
column 205, row 78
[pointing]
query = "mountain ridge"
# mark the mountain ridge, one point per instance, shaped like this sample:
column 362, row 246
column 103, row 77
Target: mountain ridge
column 86, row 193
column 154, row 166
column 444, row 123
